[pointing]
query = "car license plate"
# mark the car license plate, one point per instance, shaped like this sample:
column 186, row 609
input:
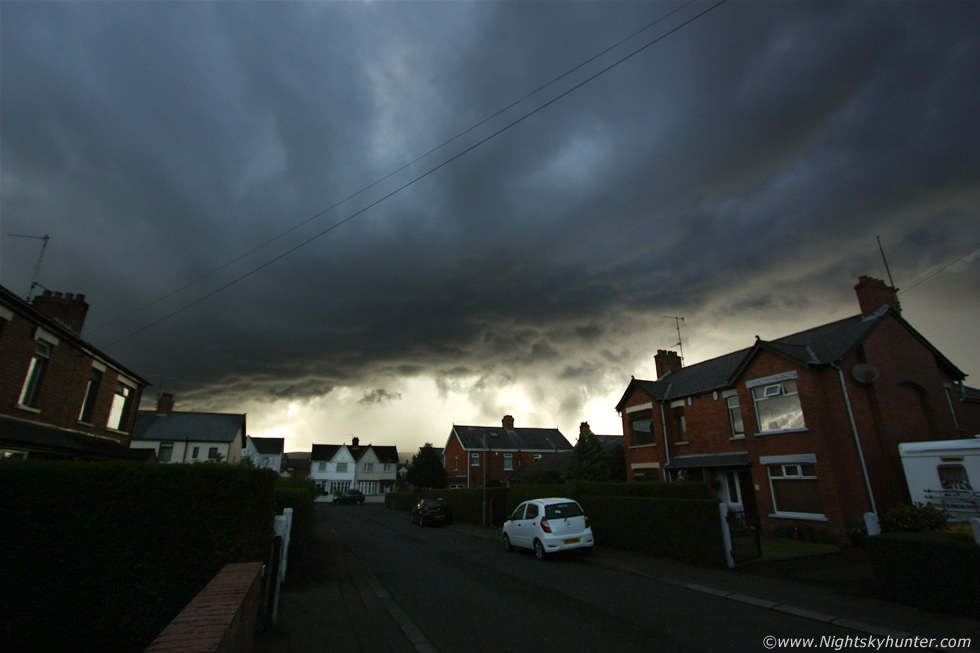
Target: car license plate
column 440, row 516
column 574, row 540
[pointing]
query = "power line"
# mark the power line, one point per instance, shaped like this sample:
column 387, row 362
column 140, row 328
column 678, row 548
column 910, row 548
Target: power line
column 930, row 275
column 389, row 175
column 411, row 182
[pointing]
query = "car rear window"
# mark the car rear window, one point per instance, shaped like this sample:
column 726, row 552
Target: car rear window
column 436, row 503
column 562, row 510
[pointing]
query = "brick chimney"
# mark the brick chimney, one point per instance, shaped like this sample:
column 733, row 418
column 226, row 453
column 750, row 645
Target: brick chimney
column 667, row 361
column 508, row 422
column 583, row 429
column 70, row 310
column 165, row 404
column 873, row 294
column 354, row 441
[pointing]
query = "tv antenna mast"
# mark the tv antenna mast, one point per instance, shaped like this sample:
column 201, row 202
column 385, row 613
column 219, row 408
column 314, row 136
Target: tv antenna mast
column 37, row 266
column 677, row 322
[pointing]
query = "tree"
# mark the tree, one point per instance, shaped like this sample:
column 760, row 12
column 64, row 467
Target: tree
column 426, row 469
column 590, row 462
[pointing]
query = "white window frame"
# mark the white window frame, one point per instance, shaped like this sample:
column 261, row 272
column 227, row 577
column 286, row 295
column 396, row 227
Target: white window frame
column 121, row 397
column 368, row 467
column 774, row 387
column 29, row 391
column 170, row 447
column 729, row 395
column 341, row 468
column 508, row 462
column 474, row 459
column 785, row 463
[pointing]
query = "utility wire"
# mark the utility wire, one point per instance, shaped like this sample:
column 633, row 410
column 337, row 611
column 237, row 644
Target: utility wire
column 930, row 275
column 420, row 177
column 445, row 143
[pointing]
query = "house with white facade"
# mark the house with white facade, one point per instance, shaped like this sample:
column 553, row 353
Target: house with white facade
column 336, row 468
column 265, row 453
column 186, row 437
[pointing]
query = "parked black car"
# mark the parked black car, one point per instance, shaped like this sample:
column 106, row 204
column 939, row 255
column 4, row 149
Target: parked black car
column 431, row 511
column 350, row 496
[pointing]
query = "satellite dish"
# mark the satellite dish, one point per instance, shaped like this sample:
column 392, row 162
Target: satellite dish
column 865, row 373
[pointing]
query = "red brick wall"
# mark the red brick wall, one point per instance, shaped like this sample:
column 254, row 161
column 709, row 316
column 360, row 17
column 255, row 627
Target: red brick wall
column 221, row 619
column 62, row 387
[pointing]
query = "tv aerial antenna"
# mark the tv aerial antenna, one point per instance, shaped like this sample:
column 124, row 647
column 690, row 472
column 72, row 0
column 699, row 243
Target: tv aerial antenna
column 677, row 322
column 37, row 266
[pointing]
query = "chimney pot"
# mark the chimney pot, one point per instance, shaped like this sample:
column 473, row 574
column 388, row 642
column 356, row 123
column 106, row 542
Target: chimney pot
column 165, row 404
column 66, row 308
column 667, row 361
column 873, row 293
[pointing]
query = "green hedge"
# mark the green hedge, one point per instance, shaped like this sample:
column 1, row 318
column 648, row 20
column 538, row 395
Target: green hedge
column 681, row 529
column 466, row 505
column 578, row 490
column 300, row 495
column 932, row 570
column 104, row 555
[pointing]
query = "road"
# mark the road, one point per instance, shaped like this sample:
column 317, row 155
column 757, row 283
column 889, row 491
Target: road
column 456, row 592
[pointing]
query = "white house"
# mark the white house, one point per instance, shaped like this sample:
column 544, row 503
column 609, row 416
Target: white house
column 184, row 437
column 332, row 468
column 265, row 453
column 336, row 468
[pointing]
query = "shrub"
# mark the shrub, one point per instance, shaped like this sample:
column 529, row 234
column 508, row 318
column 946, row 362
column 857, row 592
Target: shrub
column 912, row 519
column 120, row 548
column 933, row 570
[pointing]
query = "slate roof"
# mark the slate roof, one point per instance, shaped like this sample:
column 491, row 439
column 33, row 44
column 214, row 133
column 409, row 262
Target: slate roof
column 610, row 441
column 523, row 439
column 814, row 347
column 182, row 426
column 268, row 446
column 323, row 452
column 386, row 454
column 553, row 461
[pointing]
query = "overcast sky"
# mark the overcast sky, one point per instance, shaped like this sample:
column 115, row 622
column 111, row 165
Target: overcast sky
column 197, row 166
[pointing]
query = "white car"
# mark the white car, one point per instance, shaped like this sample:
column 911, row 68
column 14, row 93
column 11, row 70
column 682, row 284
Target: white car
column 548, row 526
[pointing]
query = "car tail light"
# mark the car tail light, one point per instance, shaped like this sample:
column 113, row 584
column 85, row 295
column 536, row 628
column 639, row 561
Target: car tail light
column 586, row 521
column 427, row 508
column 545, row 526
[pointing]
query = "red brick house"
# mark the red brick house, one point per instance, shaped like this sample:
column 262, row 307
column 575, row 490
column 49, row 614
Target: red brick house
column 498, row 452
column 60, row 397
column 803, row 430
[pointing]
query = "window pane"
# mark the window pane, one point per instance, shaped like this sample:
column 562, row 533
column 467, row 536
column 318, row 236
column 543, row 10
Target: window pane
column 778, row 413
column 118, row 408
column 735, row 414
column 797, row 495
column 166, row 452
column 953, row 477
column 642, row 429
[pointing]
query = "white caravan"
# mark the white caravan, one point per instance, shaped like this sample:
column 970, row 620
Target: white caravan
column 945, row 474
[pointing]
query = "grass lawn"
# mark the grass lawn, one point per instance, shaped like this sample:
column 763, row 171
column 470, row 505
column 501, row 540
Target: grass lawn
column 781, row 548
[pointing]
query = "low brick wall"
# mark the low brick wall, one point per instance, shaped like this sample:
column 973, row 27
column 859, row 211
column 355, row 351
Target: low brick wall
column 222, row 618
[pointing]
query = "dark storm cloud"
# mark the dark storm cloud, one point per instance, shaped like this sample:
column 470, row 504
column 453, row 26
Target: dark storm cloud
column 741, row 165
column 379, row 396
